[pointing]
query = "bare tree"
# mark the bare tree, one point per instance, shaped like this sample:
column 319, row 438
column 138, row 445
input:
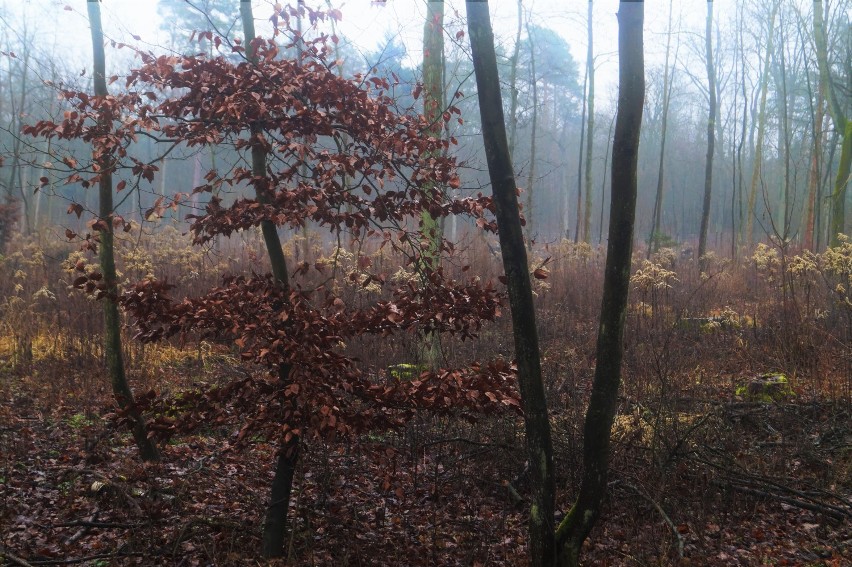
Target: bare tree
column 112, row 323
column 514, row 253
column 711, row 130
column 575, row 527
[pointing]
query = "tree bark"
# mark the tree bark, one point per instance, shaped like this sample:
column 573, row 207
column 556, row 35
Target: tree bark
column 711, row 132
column 841, row 124
column 656, row 223
column 761, row 129
column 275, row 521
column 814, row 171
column 582, row 146
column 433, row 110
column 513, row 82
column 579, row 521
column 112, row 322
column 590, row 130
column 528, row 212
column 524, row 330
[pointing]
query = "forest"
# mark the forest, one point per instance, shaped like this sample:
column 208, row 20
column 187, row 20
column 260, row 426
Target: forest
column 414, row 282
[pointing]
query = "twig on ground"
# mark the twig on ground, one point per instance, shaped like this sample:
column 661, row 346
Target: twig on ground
column 15, row 559
column 662, row 513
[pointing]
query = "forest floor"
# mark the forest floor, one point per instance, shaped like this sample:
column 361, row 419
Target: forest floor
column 703, row 472
column 730, row 483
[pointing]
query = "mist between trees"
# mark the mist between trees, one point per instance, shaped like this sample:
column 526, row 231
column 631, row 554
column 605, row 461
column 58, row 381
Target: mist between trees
column 769, row 175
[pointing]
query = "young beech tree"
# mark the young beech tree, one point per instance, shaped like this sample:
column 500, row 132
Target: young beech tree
column 304, row 130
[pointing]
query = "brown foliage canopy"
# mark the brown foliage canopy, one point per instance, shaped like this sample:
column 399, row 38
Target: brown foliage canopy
column 339, row 154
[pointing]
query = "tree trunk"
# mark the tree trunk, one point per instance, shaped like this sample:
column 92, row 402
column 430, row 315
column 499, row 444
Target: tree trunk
column 784, row 134
column 814, row 171
column 581, row 146
column 656, row 222
column 761, row 130
column 579, row 521
column 433, row 110
column 528, row 211
column 524, row 331
column 513, row 82
column 112, row 322
column 275, row 522
column 841, row 124
column 711, row 131
column 590, row 130
column 838, row 197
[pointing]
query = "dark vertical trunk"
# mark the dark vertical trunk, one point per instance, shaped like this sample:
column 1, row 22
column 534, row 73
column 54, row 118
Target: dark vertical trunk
column 577, row 524
column 524, row 330
column 711, row 131
column 275, row 522
column 112, row 322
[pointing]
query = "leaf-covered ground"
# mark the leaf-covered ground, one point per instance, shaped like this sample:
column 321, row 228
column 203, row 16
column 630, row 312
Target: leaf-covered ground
column 752, row 485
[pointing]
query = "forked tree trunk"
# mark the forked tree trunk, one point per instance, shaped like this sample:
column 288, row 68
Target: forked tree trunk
column 275, row 521
column 577, row 524
column 524, row 331
column 112, row 323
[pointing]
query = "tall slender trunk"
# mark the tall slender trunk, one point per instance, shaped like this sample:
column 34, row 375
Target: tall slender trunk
column 581, row 146
column 575, row 527
column 656, row 223
column 528, row 212
column 603, row 181
column 433, row 110
column 757, row 167
column 513, row 82
column 112, row 322
column 746, row 131
column 814, row 171
column 820, row 228
column 711, row 131
column 590, row 127
column 275, row 521
column 785, row 134
column 524, row 331
column 842, row 124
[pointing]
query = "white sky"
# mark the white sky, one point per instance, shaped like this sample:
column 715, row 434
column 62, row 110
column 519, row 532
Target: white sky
column 367, row 24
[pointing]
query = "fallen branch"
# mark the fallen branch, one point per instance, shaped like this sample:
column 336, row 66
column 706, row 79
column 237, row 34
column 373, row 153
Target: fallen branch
column 818, row 508
column 75, row 560
column 103, row 525
column 661, row 512
column 14, row 559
